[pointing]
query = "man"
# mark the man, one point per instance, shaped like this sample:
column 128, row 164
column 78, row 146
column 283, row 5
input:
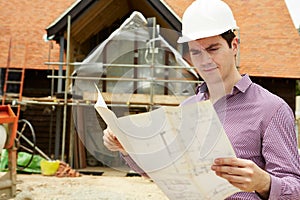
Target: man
column 259, row 124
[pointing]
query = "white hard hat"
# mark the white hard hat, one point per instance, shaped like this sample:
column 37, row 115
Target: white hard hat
column 206, row 18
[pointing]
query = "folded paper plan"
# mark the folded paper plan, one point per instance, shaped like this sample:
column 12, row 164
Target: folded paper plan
column 176, row 147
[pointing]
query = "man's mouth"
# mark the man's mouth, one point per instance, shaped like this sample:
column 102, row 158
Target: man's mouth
column 209, row 69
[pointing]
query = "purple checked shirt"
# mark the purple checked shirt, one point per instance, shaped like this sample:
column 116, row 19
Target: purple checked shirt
column 261, row 128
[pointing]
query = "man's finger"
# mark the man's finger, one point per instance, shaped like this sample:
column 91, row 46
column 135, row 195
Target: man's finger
column 231, row 162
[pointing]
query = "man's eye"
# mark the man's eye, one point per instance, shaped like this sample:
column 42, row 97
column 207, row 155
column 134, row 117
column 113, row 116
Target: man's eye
column 212, row 49
column 195, row 52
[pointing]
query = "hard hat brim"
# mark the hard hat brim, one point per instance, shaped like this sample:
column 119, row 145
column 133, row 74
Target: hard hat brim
column 185, row 38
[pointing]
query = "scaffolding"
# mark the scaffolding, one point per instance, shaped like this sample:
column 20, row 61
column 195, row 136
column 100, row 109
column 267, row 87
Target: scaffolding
column 145, row 83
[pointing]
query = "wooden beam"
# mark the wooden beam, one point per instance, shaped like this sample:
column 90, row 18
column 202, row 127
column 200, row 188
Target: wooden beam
column 140, row 99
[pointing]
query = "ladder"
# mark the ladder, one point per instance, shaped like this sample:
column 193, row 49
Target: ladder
column 13, row 82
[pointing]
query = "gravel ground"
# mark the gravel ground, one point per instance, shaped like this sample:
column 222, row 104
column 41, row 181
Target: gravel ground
column 86, row 187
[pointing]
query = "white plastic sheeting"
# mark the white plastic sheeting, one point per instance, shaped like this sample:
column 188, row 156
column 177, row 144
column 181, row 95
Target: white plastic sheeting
column 132, row 44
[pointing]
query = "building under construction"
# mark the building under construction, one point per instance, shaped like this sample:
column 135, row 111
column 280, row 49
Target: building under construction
column 129, row 51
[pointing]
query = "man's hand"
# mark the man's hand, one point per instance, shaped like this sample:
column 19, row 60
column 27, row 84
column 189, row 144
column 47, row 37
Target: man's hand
column 243, row 174
column 111, row 142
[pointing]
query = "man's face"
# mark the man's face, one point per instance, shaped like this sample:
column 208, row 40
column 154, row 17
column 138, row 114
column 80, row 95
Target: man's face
column 213, row 58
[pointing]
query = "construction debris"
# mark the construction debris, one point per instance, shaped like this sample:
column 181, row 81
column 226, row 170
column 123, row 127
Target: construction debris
column 64, row 170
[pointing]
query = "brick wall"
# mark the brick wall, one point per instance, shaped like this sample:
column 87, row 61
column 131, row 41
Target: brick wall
column 25, row 21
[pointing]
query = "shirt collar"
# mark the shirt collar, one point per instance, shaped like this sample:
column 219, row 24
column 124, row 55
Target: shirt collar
column 241, row 86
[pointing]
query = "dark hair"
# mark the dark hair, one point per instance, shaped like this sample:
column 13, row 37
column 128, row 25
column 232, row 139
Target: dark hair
column 228, row 36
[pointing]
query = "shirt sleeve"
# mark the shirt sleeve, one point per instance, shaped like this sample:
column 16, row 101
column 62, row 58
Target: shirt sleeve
column 280, row 151
column 130, row 162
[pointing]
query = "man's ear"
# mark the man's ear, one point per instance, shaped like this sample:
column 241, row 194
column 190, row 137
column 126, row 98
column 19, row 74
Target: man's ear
column 235, row 44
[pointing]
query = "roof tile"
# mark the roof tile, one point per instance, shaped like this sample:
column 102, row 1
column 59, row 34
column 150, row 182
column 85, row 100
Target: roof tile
column 24, row 22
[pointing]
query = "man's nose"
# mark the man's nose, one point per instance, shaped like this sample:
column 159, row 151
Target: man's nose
column 206, row 58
